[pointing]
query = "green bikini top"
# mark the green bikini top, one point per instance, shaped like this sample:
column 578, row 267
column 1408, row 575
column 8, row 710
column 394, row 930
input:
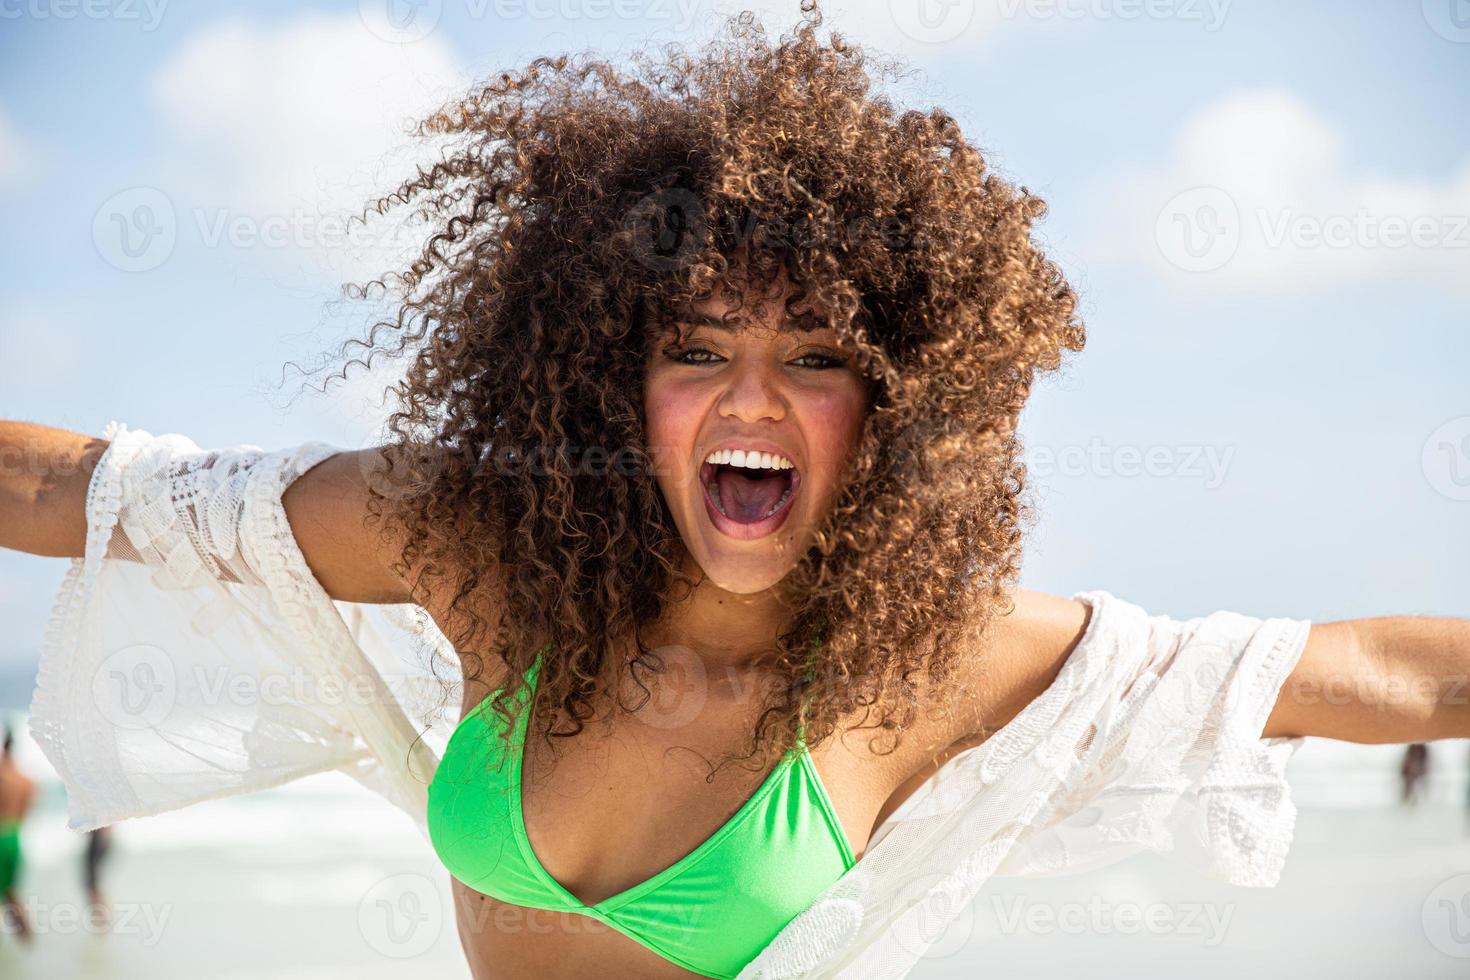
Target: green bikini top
column 710, row 912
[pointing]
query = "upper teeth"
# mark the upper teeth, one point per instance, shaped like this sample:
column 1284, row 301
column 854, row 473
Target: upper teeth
column 750, row 459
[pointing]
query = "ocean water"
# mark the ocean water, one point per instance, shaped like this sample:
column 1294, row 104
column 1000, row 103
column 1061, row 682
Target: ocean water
column 320, row 879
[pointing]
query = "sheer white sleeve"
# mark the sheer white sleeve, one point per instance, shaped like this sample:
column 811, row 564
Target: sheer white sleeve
column 191, row 654
column 1149, row 739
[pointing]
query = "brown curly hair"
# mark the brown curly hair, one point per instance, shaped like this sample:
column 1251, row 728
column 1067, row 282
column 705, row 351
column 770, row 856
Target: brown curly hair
column 579, row 208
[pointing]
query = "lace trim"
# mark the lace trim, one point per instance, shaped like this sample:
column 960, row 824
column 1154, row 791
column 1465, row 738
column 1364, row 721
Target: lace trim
column 1251, row 827
column 271, row 548
column 56, row 684
column 267, row 542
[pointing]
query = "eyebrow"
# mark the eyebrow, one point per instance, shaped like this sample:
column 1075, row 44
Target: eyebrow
column 707, row 320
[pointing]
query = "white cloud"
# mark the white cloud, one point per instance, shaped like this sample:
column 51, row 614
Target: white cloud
column 273, row 135
column 19, row 159
column 276, row 133
column 1258, row 196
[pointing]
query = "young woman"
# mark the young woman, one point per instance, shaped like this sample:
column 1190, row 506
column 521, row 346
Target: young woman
column 706, row 474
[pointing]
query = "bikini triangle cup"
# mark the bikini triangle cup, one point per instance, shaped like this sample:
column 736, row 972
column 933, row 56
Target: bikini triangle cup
column 785, row 845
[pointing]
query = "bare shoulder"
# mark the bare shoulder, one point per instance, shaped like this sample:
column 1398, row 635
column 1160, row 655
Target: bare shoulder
column 998, row 671
column 1016, row 658
column 327, row 508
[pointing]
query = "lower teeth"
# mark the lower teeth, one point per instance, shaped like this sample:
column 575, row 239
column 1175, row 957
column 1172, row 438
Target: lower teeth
column 779, row 504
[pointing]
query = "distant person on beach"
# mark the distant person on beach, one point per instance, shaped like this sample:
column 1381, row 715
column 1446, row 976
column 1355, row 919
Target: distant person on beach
column 1411, row 773
column 99, row 841
column 17, row 793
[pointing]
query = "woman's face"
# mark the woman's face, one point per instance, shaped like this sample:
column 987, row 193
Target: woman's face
column 793, row 398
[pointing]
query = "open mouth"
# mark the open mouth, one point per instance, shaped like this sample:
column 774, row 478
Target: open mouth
column 748, row 502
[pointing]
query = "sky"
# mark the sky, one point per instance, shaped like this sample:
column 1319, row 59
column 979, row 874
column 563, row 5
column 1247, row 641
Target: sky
column 1262, row 205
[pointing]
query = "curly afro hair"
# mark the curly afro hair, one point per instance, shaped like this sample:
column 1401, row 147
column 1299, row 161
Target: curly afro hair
column 579, row 205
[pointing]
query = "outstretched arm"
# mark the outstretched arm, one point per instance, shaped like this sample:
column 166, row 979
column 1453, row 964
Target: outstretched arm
column 194, row 650
column 1390, row 679
column 1113, row 731
column 1385, row 679
column 45, row 473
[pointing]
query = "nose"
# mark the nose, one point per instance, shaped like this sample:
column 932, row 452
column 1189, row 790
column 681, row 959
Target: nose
column 753, row 393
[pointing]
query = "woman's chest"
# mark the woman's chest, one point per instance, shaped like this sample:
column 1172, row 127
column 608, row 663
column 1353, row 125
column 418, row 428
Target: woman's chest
column 612, row 807
column 630, row 799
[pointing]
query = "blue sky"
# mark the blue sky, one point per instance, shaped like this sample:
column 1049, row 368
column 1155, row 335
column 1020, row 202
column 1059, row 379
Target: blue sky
column 1226, row 182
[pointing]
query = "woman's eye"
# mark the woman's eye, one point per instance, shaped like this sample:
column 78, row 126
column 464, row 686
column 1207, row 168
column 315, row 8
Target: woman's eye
column 682, row 356
column 824, row 361
column 699, row 355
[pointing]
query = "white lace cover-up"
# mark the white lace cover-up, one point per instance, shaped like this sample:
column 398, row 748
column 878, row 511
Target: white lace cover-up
column 192, row 655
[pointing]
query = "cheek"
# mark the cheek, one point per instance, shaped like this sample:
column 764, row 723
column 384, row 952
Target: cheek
column 671, row 417
column 834, row 422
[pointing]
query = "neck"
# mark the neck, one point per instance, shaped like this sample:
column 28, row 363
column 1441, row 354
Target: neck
column 728, row 632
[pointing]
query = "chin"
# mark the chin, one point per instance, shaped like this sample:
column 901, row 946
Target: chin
column 740, row 579
column 739, row 551
column 740, row 568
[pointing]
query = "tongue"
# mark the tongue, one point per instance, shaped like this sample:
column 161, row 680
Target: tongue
column 749, row 499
